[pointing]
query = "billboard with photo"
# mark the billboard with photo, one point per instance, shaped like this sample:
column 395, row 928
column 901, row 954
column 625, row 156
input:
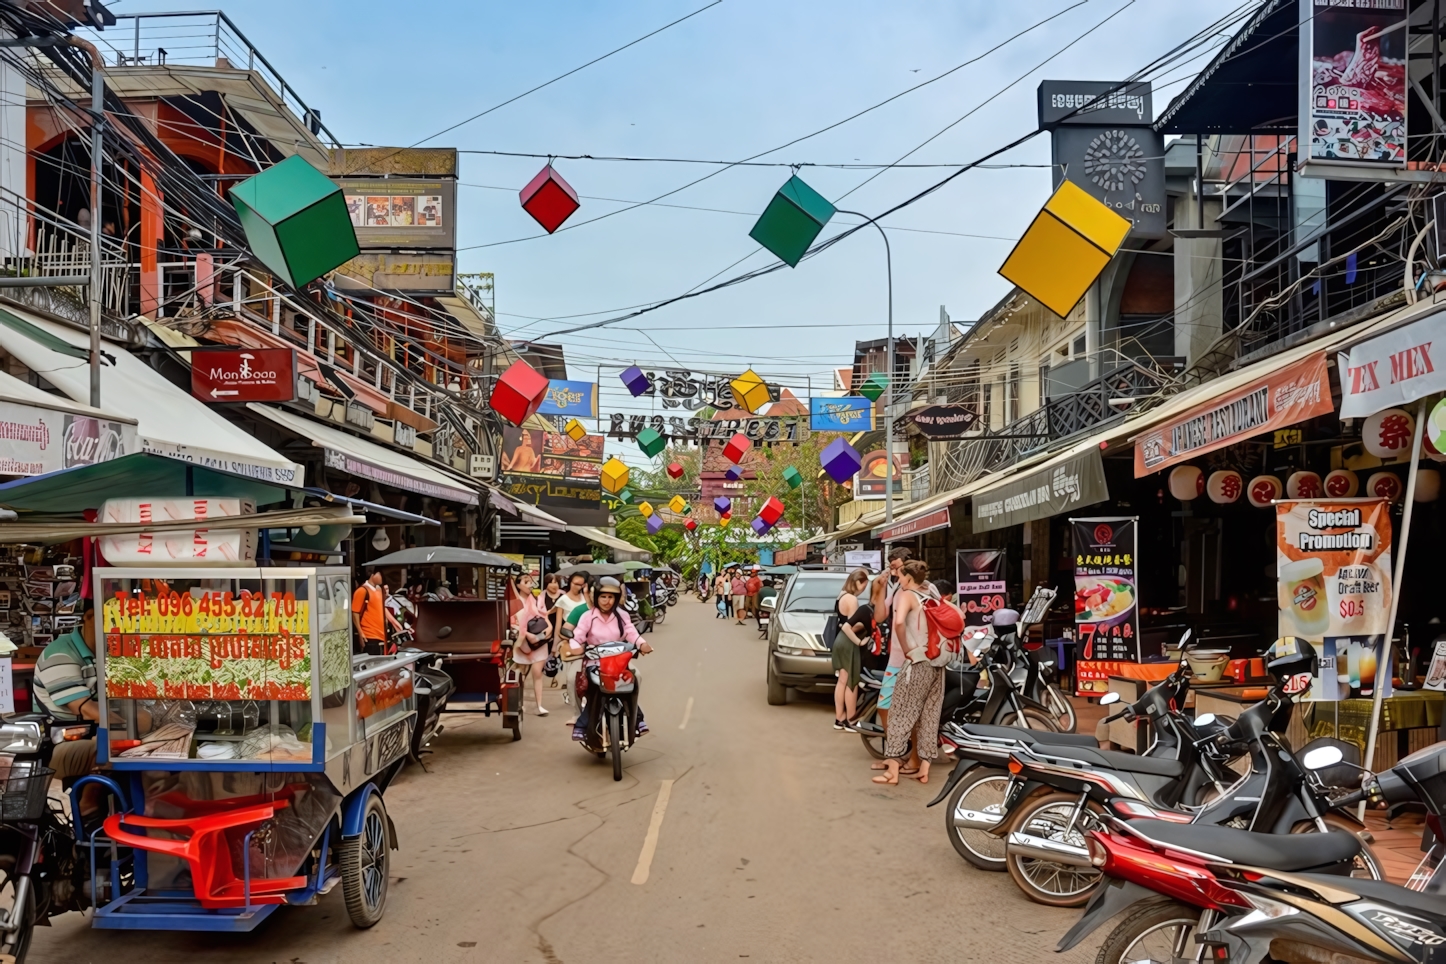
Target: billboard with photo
column 550, row 470
column 1353, row 83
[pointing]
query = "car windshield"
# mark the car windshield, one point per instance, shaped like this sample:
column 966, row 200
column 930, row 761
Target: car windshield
column 814, row 592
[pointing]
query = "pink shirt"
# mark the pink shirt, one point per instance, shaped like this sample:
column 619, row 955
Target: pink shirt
column 595, row 628
column 531, row 609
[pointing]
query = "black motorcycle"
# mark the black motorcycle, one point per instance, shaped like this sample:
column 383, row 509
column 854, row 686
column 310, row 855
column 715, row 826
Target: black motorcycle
column 607, row 692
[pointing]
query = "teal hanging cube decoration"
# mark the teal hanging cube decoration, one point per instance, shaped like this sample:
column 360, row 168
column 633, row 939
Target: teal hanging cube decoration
column 625, row 496
column 792, row 220
column 793, row 477
column 651, row 441
column 874, row 386
column 296, row 221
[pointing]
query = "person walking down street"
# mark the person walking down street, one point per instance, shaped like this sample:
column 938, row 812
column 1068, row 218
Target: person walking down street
column 369, row 615
column 881, row 598
column 720, row 591
column 919, row 691
column 750, row 590
column 551, row 589
column 740, row 595
column 533, row 633
column 855, row 626
column 574, row 599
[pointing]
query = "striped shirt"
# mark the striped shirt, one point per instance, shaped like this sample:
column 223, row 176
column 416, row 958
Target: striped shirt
column 64, row 674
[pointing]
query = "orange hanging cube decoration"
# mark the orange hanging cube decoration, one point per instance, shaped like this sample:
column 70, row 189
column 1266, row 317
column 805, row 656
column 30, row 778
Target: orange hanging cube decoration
column 646, row 508
column 736, row 448
column 749, row 391
column 519, row 392
column 614, row 475
column 575, row 430
column 678, row 504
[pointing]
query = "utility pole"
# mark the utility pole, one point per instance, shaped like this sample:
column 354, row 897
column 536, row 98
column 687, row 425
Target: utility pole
column 889, row 383
column 97, row 124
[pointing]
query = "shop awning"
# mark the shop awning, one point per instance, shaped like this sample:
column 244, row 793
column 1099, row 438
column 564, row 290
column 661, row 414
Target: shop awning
column 41, row 432
column 368, row 460
column 532, row 515
column 168, row 420
column 52, row 532
column 1070, row 480
column 593, row 534
column 915, row 525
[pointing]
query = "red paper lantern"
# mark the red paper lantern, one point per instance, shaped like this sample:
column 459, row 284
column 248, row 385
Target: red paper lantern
column 736, row 448
column 675, row 470
column 772, row 511
column 519, row 392
column 549, row 199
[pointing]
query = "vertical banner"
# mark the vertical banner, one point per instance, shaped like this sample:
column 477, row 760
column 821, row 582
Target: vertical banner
column 1333, row 561
column 980, row 575
column 1354, row 88
column 1106, row 589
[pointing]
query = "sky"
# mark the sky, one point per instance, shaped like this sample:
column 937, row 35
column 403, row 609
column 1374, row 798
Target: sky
column 737, row 79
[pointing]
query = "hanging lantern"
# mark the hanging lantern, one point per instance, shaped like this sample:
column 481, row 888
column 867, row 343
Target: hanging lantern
column 1389, row 433
column 549, row 199
column 1342, row 484
column 1224, row 486
column 1429, row 449
column 1186, row 482
column 1385, row 485
column 792, row 220
column 1428, row 485
column 1263, row 490
column 1304, row 485
column 737, row 447
column 675, row 471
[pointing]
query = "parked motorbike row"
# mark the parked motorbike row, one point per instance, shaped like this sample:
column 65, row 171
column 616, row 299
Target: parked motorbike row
column 1217, row 843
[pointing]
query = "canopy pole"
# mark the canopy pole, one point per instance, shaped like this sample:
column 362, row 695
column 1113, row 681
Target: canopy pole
column 1384, row 669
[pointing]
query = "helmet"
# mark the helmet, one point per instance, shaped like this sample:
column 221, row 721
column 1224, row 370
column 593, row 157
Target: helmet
column 609, row 584
column 1006, row 618
column 1293, row 662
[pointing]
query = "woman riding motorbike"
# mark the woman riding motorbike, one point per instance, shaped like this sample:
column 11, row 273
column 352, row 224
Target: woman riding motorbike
column 606, row 622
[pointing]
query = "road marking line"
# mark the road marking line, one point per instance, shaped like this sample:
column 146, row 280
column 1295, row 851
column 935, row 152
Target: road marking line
column 650, row 842
column 687, row 713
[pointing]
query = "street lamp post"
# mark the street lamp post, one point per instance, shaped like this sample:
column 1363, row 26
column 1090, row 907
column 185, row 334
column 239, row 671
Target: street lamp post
column 889, row 387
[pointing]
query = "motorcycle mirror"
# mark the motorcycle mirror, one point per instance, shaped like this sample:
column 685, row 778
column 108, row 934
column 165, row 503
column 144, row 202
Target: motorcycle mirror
column 1204, row 719
column 1184, row 638
column 1322, row 757
column 1109, row 699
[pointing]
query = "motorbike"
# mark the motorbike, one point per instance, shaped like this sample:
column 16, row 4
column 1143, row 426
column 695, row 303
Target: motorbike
column 432, row 686
column 607, row 691
column 634, row 608
column 1211, row 893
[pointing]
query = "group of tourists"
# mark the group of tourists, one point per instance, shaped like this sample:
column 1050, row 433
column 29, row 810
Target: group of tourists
column 738, row 589
column 887, row 614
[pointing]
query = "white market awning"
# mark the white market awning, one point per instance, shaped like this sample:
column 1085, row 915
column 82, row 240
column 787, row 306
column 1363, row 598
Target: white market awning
column 594, row 534
column 168, row 420
column 368, row 460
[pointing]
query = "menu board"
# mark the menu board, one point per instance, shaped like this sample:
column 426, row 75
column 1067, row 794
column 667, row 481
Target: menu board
column 1106, row 589
column 1333, row 563
column 980, row 577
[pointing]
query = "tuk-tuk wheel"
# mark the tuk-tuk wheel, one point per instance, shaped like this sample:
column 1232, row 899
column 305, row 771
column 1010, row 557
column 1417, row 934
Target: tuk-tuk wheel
column 364, row 862
column 516, row 733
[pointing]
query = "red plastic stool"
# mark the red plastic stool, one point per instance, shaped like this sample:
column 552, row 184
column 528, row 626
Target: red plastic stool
column 207, row 852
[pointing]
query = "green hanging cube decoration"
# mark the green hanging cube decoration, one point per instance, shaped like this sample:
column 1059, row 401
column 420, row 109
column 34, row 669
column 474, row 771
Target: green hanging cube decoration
column 793, row 477
column 625, row 496
column 874, row 386
column 651, row 442
column 792, row 220
column 296, row 221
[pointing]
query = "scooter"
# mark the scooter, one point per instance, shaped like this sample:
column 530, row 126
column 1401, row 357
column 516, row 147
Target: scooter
column 432, row 687
column 607, row 691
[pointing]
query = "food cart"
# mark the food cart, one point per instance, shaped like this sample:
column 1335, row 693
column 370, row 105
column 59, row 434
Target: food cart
column 248, row 749
column 471, row 634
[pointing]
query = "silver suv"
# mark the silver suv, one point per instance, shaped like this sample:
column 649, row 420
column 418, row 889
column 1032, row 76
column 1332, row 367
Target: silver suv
column 798, row 655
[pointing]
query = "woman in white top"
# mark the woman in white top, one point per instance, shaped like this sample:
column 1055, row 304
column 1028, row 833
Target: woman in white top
column 575, row 596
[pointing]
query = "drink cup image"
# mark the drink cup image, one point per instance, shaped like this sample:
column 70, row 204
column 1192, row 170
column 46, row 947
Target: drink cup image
column 1303, row 584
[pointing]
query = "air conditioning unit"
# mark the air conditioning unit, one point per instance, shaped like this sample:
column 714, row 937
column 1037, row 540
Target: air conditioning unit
column 483, row 467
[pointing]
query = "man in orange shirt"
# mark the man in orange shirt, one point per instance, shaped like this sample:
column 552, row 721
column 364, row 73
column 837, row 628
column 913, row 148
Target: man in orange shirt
column 368, row 615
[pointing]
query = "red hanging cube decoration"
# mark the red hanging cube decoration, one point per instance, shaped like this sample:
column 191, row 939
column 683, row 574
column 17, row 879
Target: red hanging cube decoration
column 691, row 524
column 772, row 511
column 736, row 448
column 675, row 470
column 519, row 392
column 549, row 199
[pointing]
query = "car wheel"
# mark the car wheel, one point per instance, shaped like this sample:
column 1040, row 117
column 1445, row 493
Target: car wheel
column 777, row 692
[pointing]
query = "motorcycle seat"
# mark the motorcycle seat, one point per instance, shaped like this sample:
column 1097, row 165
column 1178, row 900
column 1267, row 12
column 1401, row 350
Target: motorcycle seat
column 1392, row 895
column 1274, row 851
column 1116, row 760
column 1028, row 736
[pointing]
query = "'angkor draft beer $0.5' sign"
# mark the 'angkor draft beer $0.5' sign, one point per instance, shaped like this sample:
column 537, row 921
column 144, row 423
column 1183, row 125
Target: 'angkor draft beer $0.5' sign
column 1333, row 563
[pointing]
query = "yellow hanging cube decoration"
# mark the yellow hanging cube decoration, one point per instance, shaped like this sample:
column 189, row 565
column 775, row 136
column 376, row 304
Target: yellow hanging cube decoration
column 575, row 430
column 749, row 391
column 723, row 521
column 1066, row 248
column 678, row 503
column 646, row 509
column 614, row 475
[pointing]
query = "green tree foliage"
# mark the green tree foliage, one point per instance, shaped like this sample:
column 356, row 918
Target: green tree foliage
column 811, row 505
column 719, row 545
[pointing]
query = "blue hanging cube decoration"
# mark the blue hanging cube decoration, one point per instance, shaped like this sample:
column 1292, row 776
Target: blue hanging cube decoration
column 792, row 221
column 722, row 504
column 840, row 460
column 734, row 473
column 760, row 526
column 635, row 380
column 655, row 525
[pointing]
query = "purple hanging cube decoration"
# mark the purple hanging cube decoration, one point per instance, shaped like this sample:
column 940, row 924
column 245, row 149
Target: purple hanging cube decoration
column 722, row 504
column 734, row 473
column 840, row 460
column 760, row 526
column 655, row 524
column 635, row 380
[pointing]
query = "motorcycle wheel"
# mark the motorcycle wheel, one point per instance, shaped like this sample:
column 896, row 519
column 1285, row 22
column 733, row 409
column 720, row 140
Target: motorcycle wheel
column 982, row 790
column 365, row 861
column 1044, row 881
column 660, row 614
column 1158, row 930
column 615, row 737
column 1031, row 719
column 1365, row 866
column 873, row 742
column 1060, row 708
column 17, row 943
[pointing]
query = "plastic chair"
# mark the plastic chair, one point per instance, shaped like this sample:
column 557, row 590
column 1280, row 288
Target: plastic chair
column 208, row 853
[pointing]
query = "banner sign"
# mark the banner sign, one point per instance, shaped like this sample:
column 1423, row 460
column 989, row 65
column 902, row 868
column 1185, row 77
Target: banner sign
column 1354, row 82
column 1288, row 395
column 1073, row 484
column 549, row 469
column 941, row 423
column 1395, row 368
column 1106, row 588
column 245, row 375
column 1333, row 563
column 693, row 391
column 869, row 483
column 854, row 413
column 575, row 399
column 938, row 519
column 980, row 575
column 1095, row 102
column 784, row 428
column 36, row 441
